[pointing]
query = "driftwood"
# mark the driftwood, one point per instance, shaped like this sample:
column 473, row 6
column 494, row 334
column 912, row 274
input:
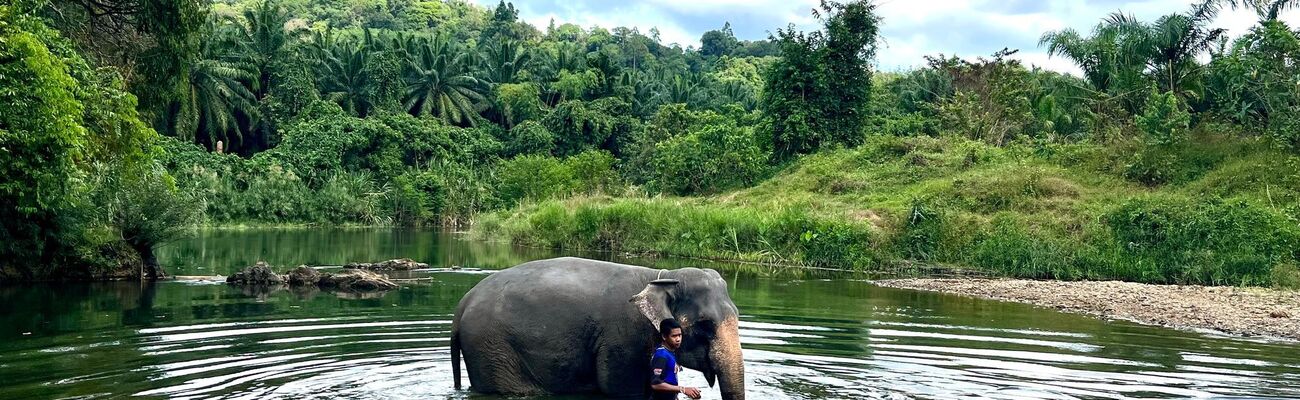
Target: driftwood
column 261, row 276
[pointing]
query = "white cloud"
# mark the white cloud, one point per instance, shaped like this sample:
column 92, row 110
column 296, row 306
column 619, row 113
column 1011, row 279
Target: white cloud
column 739, row 6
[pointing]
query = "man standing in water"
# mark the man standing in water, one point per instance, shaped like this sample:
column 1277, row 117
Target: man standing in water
column 663, row 366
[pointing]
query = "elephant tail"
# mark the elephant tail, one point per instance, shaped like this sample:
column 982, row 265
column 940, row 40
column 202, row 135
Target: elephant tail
column 455, row 357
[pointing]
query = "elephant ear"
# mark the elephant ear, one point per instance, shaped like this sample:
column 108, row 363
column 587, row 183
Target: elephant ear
column 654, row 300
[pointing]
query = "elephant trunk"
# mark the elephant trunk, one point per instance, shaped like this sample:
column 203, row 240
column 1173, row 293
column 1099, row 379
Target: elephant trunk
column 726, row 360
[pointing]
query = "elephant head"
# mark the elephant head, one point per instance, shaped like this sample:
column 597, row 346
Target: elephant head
column 698, row 299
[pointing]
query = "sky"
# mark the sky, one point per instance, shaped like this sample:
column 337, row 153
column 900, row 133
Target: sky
column 911, row 29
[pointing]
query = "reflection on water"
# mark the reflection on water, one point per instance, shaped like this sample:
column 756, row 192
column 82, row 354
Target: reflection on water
column 221, row 252
column 804, row 337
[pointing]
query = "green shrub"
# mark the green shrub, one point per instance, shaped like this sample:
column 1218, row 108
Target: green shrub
column 1207, row 241
column 579, row 126
column 533, row 177
column 41, row 137
column 909, row 124
column 468, row 192
column 592, row 171
column 1185, row 161
column 446, row 195
column 1156, row 165
column 1285, row 128
column 1286, row 275
column 1018, row 187
column 350, row 197
column 415, row 197
column 551, row 226
column 143, row 207
column 519, row 102
column 1008, row 248
column 708, row 160
column 529, row 137
column 278, row 195
column 1164, row 119
column 66, row 131
column 921, row 232
column 670, row 120
column 834, row 243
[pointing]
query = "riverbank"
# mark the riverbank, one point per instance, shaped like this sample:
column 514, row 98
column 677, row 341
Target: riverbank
column 1246, row 311
column 1058, row 212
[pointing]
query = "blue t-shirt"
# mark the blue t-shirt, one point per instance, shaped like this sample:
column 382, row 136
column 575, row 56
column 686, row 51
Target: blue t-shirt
column 663, row 368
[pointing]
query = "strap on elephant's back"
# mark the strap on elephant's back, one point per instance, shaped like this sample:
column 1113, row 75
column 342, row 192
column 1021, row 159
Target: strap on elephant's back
column 659, row 280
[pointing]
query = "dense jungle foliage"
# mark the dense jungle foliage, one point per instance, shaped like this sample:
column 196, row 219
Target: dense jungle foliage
column 1171, row 159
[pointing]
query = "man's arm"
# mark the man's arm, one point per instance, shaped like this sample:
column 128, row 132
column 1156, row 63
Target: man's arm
column 659, row 366
column 667, row 387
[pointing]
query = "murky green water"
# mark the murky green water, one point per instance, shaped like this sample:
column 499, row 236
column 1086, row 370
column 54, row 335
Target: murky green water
column 806, row 336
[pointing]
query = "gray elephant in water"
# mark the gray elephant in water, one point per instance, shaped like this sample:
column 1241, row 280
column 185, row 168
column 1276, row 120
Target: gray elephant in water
column 572, row 325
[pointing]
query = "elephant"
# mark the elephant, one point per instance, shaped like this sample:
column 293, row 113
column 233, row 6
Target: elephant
column 572, row 325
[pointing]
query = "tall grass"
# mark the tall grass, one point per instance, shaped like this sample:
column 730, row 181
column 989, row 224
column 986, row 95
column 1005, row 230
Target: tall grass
column 677, row 227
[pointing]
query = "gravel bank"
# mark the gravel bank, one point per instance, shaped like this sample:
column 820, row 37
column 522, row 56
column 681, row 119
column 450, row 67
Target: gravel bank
column 1232, row 310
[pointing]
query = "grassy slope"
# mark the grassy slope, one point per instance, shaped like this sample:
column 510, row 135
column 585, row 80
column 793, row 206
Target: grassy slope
column 1063, row 211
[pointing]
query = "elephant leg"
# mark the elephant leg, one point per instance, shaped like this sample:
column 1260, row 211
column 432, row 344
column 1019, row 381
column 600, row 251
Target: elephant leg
column 498, row 368
column 621, row 373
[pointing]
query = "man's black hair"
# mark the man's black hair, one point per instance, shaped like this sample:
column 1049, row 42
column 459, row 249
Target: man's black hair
column 667, row 325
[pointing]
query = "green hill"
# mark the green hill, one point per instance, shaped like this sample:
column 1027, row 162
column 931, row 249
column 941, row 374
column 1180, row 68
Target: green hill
column 1227, row 214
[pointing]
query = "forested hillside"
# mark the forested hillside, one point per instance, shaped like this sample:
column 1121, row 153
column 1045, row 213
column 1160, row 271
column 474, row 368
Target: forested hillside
column 1172, row 158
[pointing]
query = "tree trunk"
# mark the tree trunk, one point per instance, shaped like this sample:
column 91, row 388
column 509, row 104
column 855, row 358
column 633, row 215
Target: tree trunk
column 152, row 271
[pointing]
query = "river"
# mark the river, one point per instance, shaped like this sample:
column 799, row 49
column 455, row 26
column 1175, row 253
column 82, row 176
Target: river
column 806, row 334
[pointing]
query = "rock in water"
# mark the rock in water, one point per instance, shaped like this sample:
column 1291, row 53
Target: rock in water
column 303, row 276
column 258, row 274
column 398, row 264
column 356, row 280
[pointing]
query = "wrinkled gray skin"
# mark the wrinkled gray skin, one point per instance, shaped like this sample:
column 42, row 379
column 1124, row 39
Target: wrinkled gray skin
column 572, row 325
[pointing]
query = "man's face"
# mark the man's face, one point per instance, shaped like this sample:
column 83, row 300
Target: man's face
column 674, row 339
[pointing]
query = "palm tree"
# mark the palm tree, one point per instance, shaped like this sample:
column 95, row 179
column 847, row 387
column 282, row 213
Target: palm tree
column 406, row 45
column 343, row 75
column 215, row 96
column 1108, row 57
column 740, row 93
column 1268, row 10
column 264, row 37
column 643, row 92
column 1174, row 41
column 1121, row 48
column 683, row 89
column 505, row 60
column 567, row 56
column 439, row 83
column 1272, row 10
column 553, row 58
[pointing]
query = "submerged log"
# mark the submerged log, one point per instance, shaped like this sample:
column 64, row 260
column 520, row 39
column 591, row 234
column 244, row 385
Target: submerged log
column 397, row 264
column 356, row 280
column 260, row 279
